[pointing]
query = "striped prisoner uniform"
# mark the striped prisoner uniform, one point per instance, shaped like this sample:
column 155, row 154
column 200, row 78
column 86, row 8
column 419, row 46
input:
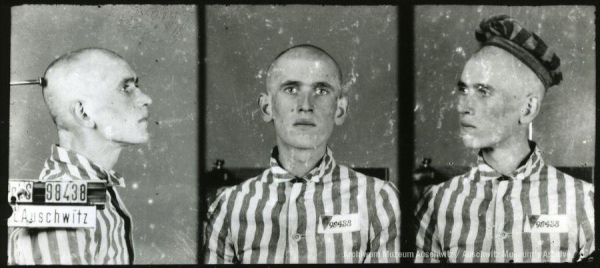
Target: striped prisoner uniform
column 109, row 243
column 483, row 216
column 331, row 215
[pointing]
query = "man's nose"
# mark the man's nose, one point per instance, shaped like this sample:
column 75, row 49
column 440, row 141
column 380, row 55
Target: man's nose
column 465, row 104
column 143, row 99
column 305, row 102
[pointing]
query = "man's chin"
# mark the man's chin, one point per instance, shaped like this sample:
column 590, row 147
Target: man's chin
column 305, row 144
column 471, row 142
column 134, row 140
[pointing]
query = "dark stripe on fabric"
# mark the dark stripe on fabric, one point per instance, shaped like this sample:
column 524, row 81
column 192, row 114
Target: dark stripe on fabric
column 508, row 217
column 389, row 211
column 53, row 247
column 77, row 258
column 226, row 228
column 374, row 219
column 320, row 210
column 127, row 221
column 273, row 242
column 419, row 218
column 482, row 211
column 562, row 210
column 75, row 162
column 543, row 199
column 582, row 216
column 301, row 222
column 258, row 218
column 465, row 218
column 55, row 176
column 433, row 219
column 108, row 238
column 210, row 229
column 354, row 209
column 113, row 243
column 245, row 199
column 450, row 214
column 89, row 237
column 337, row 209
column 526, row 237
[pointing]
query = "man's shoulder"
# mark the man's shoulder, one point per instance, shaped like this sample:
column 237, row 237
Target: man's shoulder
column 246, row 185
column 353, row 174
column 556, row 174
column 452, row 181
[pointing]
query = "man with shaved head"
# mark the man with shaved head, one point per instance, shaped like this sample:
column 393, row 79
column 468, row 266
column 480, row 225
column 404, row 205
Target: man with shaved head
column 94, row 99
column 305, row 208
column 511, row 207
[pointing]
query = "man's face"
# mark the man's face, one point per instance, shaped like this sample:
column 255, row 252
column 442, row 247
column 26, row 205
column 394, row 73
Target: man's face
column 304, row 94
column 116, row 104
column 490, row 99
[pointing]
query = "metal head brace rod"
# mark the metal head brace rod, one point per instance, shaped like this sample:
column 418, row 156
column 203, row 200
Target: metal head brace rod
column 40, row 81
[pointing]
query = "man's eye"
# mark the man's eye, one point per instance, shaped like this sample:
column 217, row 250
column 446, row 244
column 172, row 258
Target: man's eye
column 462, row 90
column 322, row 91
column 483, row 90
column 127, row 89
column 290, row 89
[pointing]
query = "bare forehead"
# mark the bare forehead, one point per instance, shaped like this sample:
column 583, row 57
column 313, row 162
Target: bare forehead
column 307, row 54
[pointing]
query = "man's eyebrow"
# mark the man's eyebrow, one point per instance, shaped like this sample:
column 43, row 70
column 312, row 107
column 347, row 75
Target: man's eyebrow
column 290, row 83
column 461, row 84
column 322, row 84
column 127, row 80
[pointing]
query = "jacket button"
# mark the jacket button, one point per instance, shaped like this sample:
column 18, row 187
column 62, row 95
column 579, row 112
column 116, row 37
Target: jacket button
column 296, row 237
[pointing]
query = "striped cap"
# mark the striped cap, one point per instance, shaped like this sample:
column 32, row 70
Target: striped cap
column 507, row 33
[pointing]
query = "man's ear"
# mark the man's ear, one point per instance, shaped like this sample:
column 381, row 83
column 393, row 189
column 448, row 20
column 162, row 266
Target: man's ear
column 530, row 109
column 341, row 111
column 81, row 116
column 264, row 103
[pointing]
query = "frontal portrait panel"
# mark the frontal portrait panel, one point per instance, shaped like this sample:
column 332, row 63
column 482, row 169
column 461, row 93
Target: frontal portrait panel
column 296, row 97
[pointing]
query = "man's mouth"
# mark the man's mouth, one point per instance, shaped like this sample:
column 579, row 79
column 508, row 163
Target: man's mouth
column 304, row 123
column 143, row 119
column 467, row 125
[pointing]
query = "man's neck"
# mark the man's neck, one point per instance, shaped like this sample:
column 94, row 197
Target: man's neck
column 298, row 162
column 101, row 152
column 506, row 159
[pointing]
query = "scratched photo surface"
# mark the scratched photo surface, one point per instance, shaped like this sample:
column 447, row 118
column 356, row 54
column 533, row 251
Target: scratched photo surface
column 241, row 41
column 161, row 45
column 565, row 127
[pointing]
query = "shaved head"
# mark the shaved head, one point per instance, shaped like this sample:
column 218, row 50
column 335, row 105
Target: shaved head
column 71, row 77
column 93, row 93
column 304, row 52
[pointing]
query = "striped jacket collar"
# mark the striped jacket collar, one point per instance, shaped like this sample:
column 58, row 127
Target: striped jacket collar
column 532, row 165
column 77, row 166
column 324, row 168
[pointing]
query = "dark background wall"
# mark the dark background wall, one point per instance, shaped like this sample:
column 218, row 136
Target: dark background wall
column 445, row 40
column 241, row 41
column 160, row 44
